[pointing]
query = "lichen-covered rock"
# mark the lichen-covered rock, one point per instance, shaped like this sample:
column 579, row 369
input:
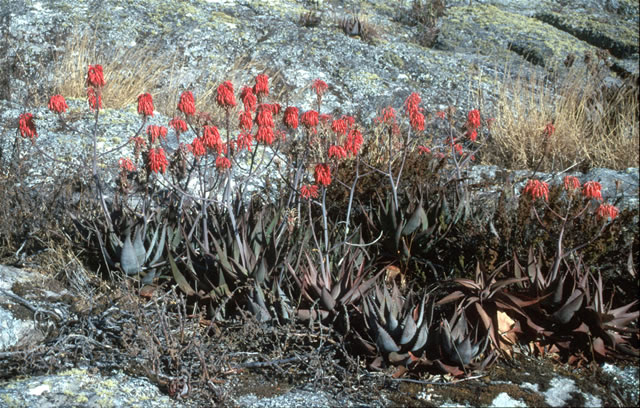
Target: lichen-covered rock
column 82, row 388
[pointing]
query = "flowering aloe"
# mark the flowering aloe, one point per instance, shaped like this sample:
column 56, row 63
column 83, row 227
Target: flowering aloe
column 57, row 104
column 145, row 104
column 187, row 104
column 27, row 126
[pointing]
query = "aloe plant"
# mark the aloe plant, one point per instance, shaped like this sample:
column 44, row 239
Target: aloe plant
column 399, row 325
column 463, row 346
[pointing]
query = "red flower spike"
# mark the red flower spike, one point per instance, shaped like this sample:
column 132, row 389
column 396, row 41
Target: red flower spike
column 275, row 108
column 441, row 114
column 309, row 119
column 607, row 211
column 338, row 152
column 197, row 147
column 339, row 127
column 309, row 191
column 179, row 125
column 211, row 137
column 473, row 119
column 157, row 160
column 537, row 189
column 245, row 141
column 139, row 143
column 223, row 163
column 262, row 85
column 246, row 122
column 225, row 96
column 27, row 127
column 423, row 150
column 248, row 99
column 417, row 121
column 549, row 130
column 571, row 183
column 592, row 189
column 155, row 131
column 412, row 103
column 354, row 142
column 57, row 104
column 319, row 86
column 265, row 116
column 472, row 134
column 145, row 104
column 187, row 104
column 95, row 76
column 322, row 174
column 94, row 99
column 291, row 117
column 126, row 164
column 265, row 135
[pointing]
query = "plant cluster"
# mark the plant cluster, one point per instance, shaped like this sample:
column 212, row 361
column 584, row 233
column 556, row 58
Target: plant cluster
column 294, row 216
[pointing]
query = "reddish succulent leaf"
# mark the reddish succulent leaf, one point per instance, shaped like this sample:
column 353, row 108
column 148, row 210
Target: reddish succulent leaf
column 450, row 298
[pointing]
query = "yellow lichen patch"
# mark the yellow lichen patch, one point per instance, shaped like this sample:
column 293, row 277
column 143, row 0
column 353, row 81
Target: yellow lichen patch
column 497, row 27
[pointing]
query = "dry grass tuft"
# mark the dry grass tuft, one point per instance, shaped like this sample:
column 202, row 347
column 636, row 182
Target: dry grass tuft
column 596, row 123
column 129, row 71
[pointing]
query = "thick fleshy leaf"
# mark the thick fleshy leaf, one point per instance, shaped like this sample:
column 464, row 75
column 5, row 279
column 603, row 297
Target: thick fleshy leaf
column 128, row 258
column 138, row 245
column 326, row 300
column 409, row 329
column 385, row 342
column 421, row 337
column 179, row 277
column 414, row 221
column 568, row 310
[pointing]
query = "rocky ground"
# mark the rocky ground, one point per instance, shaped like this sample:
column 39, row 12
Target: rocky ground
column 61, row 331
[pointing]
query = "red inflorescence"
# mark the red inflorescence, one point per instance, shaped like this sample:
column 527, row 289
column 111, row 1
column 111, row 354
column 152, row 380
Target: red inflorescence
column 339, row 127
column 27, row 126
column 197, row 147
column 473, row 119
column 179, row 125
column 94, row 99
column 592, row 189
column 472, row 134
column 95, row 76
column 246, row 122
column 607, row 211
column 265, row 116
column 291, row 117
column 322, row 174
column 187, row 104
column 423, row 150
column 126, row 164
column 57, row 104
column 337, row 151
column 157, row 160
column 549, row 130
column 225, row 96
column 309, row 119
column 319, row 86
column 265, row 135
column 145, row 104
column 244, row 141
column 211, row 137
column 155, row 131
column 262, row 85
column 223, row 163
column 354, row 142
column 309, row 191
column 571, row 183
column 537, row 189
column 248, row 99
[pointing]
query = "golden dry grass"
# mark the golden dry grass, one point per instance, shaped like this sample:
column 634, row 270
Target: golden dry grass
column 128, row 71
column 596, row 126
